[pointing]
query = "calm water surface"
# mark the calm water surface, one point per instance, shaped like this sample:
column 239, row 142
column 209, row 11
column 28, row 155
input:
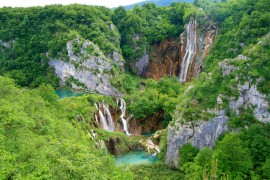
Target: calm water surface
column 67, row 93
column 136, row 157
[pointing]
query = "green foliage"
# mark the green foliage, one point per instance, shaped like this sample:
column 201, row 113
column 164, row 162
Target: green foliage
column 257, row 140
column 241, row 22
column 266, row 169
column 233, row 157
column 33, row 32
column 259, row 65
column 157, row 96
column 123, row 82
column 163, row 145
column 204, row 157
column 39, row 140
column 124, row 143
column 202, row 94
column 155, row 171
column 187, row 153
column 245, row 119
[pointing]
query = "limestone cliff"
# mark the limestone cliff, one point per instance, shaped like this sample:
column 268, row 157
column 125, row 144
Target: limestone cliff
column 205, row 133
column 164, row 60
column 86, row 67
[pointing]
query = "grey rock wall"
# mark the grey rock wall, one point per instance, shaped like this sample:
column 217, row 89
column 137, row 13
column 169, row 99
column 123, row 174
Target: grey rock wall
column 202, row 134
column 93, row 70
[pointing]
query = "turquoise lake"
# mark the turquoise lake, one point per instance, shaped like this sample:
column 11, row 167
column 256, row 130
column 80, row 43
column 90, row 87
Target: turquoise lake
column 136, row 157
column 67, row 93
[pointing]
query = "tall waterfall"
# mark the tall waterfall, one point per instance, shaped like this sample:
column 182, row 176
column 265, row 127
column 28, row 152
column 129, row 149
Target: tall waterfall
column 191, row 41
column 105, row 118
column 123, row 114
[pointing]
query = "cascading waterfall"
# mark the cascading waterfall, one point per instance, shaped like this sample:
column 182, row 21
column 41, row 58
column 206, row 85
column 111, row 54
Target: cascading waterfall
column 190, row 49
column 109, row 118
column 105, row 118
column 123, row 114
column 153, row 146
column 96, row 106
column 103, row 121
column 106, row 121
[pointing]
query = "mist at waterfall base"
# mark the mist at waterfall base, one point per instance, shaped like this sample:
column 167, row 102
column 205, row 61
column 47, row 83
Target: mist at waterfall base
column 61, row 93
column 135, row 157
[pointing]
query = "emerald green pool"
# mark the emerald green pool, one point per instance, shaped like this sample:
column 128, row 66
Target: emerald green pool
column 136, row 157
column 67, row 93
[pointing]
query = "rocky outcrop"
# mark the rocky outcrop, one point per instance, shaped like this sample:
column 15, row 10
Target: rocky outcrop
column 164, row 60
column 145, row 125
column 249, row 96
column 86, row 68
column 200, row 134
column 121, row 145
column 204, row 133
column 142, row 64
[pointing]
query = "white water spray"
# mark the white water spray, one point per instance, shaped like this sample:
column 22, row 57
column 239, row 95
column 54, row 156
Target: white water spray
column 122, row 116
column 105, row 117
column 96, row 118
column 96, row 106
column 109, row 118
column 103, row 121
column 190, row 49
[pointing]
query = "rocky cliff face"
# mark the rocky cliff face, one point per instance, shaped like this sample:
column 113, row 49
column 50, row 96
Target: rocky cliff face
column 145, row 125
column 181, row 57
column 205, row 133
column 164, row 60
column 86, row 67
column 200, row 134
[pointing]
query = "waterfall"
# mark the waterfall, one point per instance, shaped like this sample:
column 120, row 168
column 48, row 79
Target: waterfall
column 103, row 121
column 105, row 117
column 109, row 118
column 123, row 114
column 151, row 145
column 96, row 118
column 96, row 106
column 191, row 41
